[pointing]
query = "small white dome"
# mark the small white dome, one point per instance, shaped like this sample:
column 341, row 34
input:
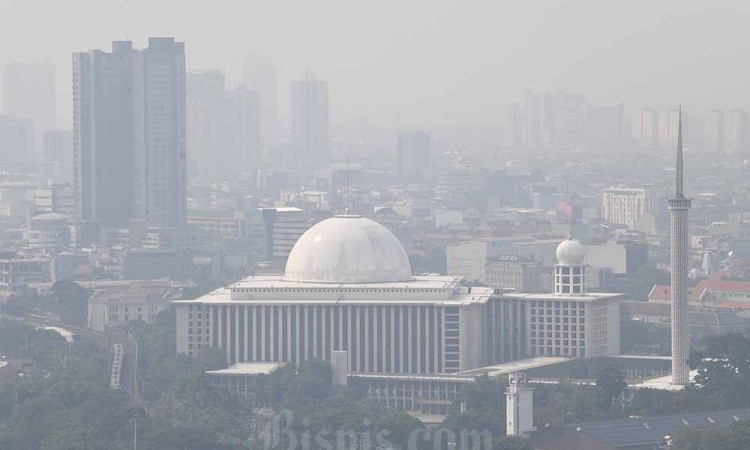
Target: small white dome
column 348, row 249
column 571, row 252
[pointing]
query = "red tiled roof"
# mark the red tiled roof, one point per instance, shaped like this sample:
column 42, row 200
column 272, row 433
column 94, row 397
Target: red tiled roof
column 662, row 292
column 725, row 286
column 734, row 305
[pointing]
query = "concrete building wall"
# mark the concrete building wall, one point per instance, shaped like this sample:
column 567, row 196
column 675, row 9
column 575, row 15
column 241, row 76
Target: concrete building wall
column 467, row 260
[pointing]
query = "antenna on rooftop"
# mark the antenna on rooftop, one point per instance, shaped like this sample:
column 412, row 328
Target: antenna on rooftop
column 348, row 185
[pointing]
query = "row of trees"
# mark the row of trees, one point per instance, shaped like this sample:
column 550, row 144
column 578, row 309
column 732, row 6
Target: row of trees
column 66, row 299
column 66, row 403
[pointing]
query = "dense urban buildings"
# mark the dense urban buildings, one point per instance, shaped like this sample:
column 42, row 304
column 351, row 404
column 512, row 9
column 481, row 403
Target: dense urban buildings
column 247, row 255
column 16, row 141
column 414, row 156
column 656, row 128
column 57, row 157
column 564, row 119
column 129, row 126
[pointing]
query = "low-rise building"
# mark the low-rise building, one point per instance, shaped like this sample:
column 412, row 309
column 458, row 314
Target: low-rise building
column 624, row 206
column 240, row 379
column 49, row 232
column 214, row 223
column 153, row 264
column 18, row 271
column 708, row 294
column 623, row 257
column 517, row 273
column 283, row 227
column 121, row 305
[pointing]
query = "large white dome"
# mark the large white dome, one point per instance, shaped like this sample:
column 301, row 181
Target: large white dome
column 348, row 249
column 571, row 252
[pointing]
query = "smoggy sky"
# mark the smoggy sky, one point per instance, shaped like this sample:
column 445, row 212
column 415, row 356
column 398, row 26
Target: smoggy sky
column 422, row 63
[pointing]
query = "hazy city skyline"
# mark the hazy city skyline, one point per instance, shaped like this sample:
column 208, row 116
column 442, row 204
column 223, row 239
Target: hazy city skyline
column 235, row 225
column 440, row 64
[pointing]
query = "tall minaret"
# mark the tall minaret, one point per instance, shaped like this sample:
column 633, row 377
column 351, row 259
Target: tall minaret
column 679, row 205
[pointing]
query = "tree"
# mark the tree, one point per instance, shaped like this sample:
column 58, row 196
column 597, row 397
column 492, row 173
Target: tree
column 71, row 300
column 654, row 402
column 610, row 382
column 480, row 406
column 210, row 358
column 723, row 363
column 565, row 403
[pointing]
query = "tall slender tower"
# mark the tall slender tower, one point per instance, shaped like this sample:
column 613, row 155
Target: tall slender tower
column 679, row 206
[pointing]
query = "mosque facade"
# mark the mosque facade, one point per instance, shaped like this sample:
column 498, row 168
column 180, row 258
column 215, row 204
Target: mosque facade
column 348, row 286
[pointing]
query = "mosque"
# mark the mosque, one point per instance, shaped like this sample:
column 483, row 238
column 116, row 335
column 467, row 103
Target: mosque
column 348, row 286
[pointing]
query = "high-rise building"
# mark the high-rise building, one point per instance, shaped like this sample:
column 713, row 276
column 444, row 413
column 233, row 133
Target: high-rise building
column 658, row 128
column 104, row 129
column 414, row 156
column 560, row 118
column 246, row 131
column 162, row 199
column 667, row 128
column 208, row 140
column 713, row 131
column 205, row 86
column 57, row 157
column 736, row 132
column 209, row 127
column 223, row 128
column 679, row 207
column 646, row 127
column 309, row 138
column 129, row 134
column 28, row 90
column 259, row 75
column 16, row 141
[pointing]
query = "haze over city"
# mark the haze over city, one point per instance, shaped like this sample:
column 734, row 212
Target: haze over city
column 319, row 225
column 438, row 63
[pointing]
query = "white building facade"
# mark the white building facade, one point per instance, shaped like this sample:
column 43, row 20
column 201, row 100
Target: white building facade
column 624, row 206
column 348, row 287
column 116, row 307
